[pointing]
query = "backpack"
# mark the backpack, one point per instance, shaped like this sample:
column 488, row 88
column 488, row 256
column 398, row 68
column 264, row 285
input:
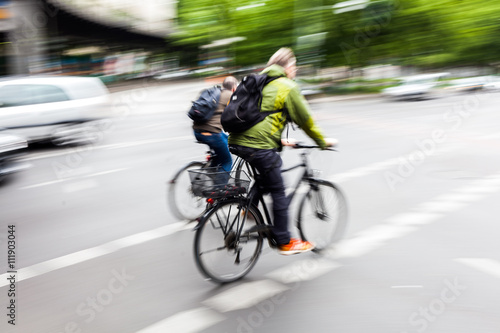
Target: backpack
column 204, row 107
column 243, row 110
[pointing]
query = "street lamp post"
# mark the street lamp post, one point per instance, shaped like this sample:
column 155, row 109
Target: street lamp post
column 26, row 31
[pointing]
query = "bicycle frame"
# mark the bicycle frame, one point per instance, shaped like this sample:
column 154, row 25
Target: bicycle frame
column 256, row 196
column 230, row 256
column 306, row 176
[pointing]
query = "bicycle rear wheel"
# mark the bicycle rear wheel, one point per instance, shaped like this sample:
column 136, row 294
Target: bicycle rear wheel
column 220, row 254
column 322, row 217
column 180, row 198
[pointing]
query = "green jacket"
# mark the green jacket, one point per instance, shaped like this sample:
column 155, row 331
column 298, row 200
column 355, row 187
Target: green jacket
column 281, row 93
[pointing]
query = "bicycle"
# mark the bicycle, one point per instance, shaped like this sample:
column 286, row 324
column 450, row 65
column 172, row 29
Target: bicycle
column 183, row 203
column 230, row 233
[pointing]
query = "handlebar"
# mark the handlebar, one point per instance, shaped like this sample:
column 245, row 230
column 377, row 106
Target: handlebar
column 301, row 145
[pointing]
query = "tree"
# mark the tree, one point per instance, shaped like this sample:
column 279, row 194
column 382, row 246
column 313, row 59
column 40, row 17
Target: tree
column 406, row 32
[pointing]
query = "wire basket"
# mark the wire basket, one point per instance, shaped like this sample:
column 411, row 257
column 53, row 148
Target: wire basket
column 217, row 183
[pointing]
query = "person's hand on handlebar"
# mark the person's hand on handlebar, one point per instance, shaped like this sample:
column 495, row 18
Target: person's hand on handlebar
column 331, row 142
column 291, row 142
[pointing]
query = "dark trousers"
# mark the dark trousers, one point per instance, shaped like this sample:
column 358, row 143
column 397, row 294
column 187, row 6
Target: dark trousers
column 268, row 164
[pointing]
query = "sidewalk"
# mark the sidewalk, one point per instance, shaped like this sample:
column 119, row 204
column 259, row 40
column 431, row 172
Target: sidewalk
column 120, row 86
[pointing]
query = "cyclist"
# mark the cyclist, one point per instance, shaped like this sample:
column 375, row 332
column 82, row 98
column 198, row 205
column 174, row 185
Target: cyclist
column 260, row 144
column 211, row 132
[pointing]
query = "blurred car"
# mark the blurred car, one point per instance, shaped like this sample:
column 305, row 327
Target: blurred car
column 415, row 87
column 472, row 84
column 468, row 84
column 57, row 109
column 493, row 84
column 11, row 148
column 184, row 73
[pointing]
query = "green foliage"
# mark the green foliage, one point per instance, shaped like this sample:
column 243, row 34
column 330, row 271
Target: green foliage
column 406, row 32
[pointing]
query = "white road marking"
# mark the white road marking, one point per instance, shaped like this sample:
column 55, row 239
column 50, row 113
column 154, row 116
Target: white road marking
column 249, row 294
column 245, row 295
column 378, row 166
column 460, row 197
column 439, row 206
column 80, row 186
column 479, row 189
column 365, row 170
column 485, row 265
column 102, row 173
column 405, row 223
column 144, row 142
column 52, row 182
column 38, row 156
column 370, row 240
column 384, row 232
column 190, row 321
column 414, row 218
column 491, row 136
column 363, row 243
column 92, row 253
column 303, row 270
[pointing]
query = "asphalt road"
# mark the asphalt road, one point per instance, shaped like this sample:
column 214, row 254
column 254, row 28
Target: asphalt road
column 97, row 249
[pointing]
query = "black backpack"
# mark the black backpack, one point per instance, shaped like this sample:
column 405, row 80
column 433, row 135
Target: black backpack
column 243, row 109
column 204, row 107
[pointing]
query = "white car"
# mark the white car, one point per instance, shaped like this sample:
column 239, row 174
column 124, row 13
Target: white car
column 415, row 87
column 57, row 109
column 470, row 84
column 493, row 84
column 11, row 147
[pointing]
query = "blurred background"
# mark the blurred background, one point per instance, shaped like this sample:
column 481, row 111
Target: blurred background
column 409, row 87
column 116, row 39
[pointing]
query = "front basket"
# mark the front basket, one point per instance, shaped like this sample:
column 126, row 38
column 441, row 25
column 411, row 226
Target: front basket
column 217, row 183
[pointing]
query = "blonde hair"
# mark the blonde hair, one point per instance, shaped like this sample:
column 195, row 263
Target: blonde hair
column 284, row 57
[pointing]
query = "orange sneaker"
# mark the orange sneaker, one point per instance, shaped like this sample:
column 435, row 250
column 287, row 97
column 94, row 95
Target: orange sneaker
column 295, row 246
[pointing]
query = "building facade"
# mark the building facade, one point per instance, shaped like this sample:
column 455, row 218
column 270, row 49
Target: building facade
column 40, row 36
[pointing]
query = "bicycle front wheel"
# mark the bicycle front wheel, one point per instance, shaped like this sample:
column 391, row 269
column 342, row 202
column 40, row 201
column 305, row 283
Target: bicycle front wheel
column 322, row 217
column 180, row 198
column 225, row 249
